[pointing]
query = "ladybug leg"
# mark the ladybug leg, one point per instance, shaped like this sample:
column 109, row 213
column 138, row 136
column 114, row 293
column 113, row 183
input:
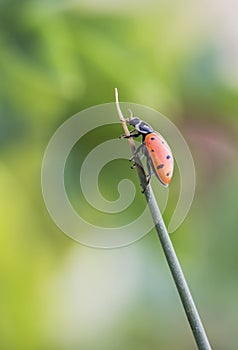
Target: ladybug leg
column 136, row 152
column 133, row 165
column 123, row 136
column 148, row 177
column 133, row 133
column 149, row 170
column 148, row 165
column 133, row 159
column 128, row 137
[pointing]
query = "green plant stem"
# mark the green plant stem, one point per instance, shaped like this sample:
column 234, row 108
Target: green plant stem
column 170, row 254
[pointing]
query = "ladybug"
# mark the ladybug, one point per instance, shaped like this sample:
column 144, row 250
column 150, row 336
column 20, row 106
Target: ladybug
column 158, row 155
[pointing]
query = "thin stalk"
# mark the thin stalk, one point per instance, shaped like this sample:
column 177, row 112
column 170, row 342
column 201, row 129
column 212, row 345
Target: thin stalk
column 170, row 254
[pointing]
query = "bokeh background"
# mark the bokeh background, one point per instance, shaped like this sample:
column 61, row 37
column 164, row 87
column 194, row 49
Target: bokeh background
column 60, row 57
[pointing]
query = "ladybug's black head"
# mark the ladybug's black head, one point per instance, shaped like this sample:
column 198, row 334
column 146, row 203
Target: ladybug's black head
column 134, row 121
column 140, row 126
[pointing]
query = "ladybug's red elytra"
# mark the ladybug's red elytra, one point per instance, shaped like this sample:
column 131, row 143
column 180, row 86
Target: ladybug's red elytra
column 159, row 157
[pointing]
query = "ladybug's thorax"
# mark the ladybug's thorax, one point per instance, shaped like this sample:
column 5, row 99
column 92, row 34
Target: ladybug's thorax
column 144, row 128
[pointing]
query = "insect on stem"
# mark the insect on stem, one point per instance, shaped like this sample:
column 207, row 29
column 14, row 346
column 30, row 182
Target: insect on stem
column 170, row 254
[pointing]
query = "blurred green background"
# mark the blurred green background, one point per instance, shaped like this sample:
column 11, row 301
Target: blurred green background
column 60, row 57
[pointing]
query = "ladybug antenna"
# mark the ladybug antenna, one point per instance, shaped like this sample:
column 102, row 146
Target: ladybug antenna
column 130, row 116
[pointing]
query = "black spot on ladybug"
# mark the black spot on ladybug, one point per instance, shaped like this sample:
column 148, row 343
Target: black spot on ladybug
column 168, row 174
column 168, row 157
column 152, row 138
column 160, row 166
column 152, row 150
